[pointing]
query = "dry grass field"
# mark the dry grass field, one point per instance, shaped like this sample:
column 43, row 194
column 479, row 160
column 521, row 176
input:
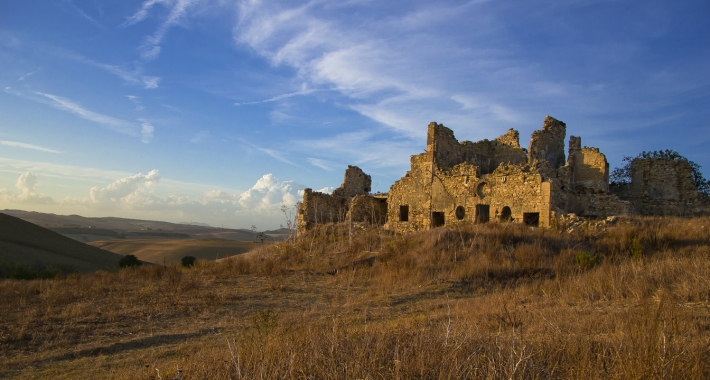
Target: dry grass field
column 170, row 251
column 497, row 301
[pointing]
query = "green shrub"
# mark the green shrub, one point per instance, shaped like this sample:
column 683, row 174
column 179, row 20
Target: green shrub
column 586, row 260
column 188, row 261
column 129, row 261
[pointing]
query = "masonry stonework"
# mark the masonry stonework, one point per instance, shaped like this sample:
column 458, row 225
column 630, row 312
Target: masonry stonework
column 318, row 208
column 665, row 187
column 497, row 181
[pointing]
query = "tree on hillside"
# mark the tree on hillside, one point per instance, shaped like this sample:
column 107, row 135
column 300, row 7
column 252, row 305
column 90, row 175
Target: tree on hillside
column 129, row 261
column 188, row 261
column 621, row 176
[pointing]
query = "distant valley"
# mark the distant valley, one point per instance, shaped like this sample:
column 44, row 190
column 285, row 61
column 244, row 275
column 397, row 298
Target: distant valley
column 151, row 241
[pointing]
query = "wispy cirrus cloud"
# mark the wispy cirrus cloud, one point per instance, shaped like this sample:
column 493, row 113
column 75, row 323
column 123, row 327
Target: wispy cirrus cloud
column 380, row 65
column 271, row 152
column 64, row 104
column 303, row 91
column 27, row 75
column 81, row 13
column 27, row 146
column 151, row 47
column 133, row 76
column 319, row 163
column 141, row 13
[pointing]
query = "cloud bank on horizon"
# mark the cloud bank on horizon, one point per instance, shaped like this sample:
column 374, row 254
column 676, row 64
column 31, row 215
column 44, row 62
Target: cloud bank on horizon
column 216, row 93
column 136, row 196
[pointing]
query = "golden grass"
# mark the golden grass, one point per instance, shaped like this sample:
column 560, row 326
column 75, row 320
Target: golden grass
column 479, row 301
column 171, row 251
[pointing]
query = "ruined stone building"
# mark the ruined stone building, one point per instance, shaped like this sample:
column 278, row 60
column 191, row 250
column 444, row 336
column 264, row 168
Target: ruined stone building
column 663, row 186
column 351, row 201
column 499, row 181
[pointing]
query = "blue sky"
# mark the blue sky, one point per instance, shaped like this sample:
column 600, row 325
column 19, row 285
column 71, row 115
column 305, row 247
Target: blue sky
column 220, row 111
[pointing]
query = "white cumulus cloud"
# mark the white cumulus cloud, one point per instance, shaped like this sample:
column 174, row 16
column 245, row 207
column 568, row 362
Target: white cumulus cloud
column 126, row 189
column 269, row 192
column 27, row 183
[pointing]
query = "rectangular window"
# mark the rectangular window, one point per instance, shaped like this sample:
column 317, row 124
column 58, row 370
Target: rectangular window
column 531, row 218
column 483, row 213
column 437, row 219
column 403, row 213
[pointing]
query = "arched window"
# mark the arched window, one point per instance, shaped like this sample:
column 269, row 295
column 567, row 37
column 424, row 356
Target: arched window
column 460, row 212
column 506, row 215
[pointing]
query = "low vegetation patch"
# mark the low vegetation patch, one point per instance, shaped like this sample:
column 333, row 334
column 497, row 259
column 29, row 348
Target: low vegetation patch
column 630, row 300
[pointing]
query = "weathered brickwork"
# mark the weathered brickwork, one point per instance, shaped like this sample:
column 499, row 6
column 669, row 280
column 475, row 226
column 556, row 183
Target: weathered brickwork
column 498, row 181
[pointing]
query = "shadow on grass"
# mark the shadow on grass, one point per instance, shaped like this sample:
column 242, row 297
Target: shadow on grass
column 157, row 340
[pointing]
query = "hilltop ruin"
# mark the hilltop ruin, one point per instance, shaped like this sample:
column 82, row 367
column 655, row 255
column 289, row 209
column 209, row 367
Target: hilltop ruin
column 499, row 181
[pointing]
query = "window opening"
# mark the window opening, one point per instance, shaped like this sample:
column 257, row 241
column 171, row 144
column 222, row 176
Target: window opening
column 403, row 213
column 531, row 219
column 506, row 215
column 437, row 219
column 460, row 212
column 483, row 213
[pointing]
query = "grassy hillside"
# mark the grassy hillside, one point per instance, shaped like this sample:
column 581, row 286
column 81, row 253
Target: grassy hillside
column 28, row 244
column 496, row 301
column 105, row 228
column 171, row 250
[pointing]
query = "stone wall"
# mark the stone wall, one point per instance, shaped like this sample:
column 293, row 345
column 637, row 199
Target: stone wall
column 355, row 182
column 489, row 154
column 318, row 208
column 368, row 209
column 548, row 143
column 594, row 204
column 498, row 181
column 590, row 169
column 442, row 145
column 665, row 187
column 459, row 182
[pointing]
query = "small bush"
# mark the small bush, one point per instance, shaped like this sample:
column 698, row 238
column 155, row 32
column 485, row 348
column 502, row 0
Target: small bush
column 129, row 261
column 188, row 261
column 586, row 260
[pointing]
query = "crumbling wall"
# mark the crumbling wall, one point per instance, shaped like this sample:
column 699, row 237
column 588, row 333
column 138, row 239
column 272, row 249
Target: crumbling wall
column 489, row 154
column 317, row 208
column 442, row 145
column 411, row 192
column 548, row 143
column 665, row 187
column 490, row 180
column 590, row 168
column 355, row 182
column 368, row 209
column 506, row 150
column 520, row 188
column 594, row 204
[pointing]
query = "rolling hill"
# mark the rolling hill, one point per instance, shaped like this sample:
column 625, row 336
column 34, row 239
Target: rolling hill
column 89, row 229
column 170, row 251
column 29, row 244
